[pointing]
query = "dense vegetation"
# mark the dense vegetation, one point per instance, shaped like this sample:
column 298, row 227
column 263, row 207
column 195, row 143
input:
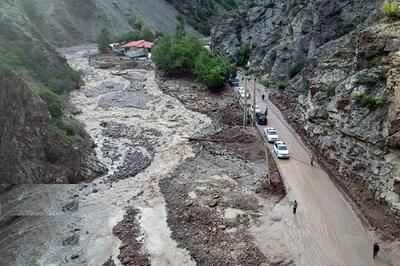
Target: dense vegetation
column 182, row 54
column 390, row 10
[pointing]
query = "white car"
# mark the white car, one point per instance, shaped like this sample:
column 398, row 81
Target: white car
column 271, row 134
column 258, row 110
column 243, row 93
column 281, row 150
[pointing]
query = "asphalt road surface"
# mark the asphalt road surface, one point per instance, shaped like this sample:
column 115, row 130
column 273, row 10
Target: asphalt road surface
column 325, row 230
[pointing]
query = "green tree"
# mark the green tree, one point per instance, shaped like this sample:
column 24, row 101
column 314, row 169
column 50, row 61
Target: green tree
column 212, row 70
column 129, row 36
column 242, row 55
column 180, row 27
column 103, row 41
column 176, row 55
column 147, row 34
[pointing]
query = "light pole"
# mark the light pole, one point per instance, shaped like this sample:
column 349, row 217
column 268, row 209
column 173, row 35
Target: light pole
column 245, row 101
column 254, row 100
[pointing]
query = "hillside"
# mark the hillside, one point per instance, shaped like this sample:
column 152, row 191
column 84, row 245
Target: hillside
column 40, row 143
column 333, row 66
column 73, row 22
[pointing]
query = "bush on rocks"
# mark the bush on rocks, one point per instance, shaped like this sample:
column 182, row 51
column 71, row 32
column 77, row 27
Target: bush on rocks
column 390, row 10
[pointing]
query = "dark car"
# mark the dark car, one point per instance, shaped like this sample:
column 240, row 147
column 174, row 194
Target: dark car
column 234, row 82
column 261, row 119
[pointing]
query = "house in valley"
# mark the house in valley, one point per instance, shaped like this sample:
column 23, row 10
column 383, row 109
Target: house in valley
column 138, row 49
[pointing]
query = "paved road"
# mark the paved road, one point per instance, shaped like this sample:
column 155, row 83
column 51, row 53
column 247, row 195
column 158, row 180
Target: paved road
column 325, row 230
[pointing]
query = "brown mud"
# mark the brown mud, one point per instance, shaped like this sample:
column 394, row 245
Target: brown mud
column 377, row 212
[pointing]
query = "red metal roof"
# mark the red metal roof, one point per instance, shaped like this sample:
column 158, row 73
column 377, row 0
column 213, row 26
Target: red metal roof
column 139, row 44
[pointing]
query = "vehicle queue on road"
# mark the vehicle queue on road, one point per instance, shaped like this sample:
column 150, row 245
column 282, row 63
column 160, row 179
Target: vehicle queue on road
column 280, row 148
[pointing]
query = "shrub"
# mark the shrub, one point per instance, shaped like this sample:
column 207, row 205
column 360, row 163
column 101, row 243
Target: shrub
column 129, row 36
column 242, row 55
column 390, row 10
column 103, row 41
column 53, row 154
column 282, row 84
column 176, row 55
column 265, row 82
column 54, row 103
column 372, row 62
column 295, row 68
column 212, row 70
column 370, row 101
column 147, row 34
column 366, row 81
column 330, row 89
column 306, row 89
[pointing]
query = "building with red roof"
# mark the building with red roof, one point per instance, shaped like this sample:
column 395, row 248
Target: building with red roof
column 137, row 49
column 138, row 44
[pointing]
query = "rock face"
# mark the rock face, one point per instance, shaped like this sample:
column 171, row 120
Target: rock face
column 339, row 65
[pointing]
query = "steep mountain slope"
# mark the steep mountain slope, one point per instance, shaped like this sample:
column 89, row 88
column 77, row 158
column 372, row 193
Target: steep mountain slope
column 40, row 143
column 335, row 64
column 201, row 14
column 70, row 22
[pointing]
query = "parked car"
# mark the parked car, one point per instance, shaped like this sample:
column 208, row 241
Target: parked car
column 271, row 134
column 243, row 93
column 234, row 82
column 261, row 119
column 281, row 150
column 258, row 110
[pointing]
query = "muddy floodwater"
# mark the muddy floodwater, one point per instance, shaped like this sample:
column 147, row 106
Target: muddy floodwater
column 165, row 200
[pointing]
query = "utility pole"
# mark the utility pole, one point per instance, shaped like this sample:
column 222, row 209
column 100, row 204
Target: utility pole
column 254, row 100
column 245, row 102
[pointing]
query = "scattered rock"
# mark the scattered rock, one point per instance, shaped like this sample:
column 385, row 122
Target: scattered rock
column 71, row 241
column 71, row 206
column 212, row 203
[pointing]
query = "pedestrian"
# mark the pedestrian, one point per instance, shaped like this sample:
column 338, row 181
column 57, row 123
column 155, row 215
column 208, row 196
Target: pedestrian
column 266, row 111
column 295, row 207
column 263, row 97
column 376, row 249
column 312, row 160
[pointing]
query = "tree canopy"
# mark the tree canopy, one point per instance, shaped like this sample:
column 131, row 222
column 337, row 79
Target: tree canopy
column 183, row 54
column 103, row 41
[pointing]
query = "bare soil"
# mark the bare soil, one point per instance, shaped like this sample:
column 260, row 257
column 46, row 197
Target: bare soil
column 131, row 250
column 227, row 174
column 377, row 212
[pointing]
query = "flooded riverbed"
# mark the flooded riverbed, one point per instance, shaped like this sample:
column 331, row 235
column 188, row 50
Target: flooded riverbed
column 164, row 200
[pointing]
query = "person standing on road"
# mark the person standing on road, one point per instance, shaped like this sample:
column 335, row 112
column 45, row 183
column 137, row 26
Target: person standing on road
column 295, row 206
column 312, row 160
column 376, row 249
column 263, row 97
column 266, row 111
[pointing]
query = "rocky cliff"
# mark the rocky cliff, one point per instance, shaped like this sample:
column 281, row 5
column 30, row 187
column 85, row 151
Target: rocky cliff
column 335, row 68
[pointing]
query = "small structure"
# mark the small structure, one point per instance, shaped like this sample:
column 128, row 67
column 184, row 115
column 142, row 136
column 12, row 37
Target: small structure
column 138, row 49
